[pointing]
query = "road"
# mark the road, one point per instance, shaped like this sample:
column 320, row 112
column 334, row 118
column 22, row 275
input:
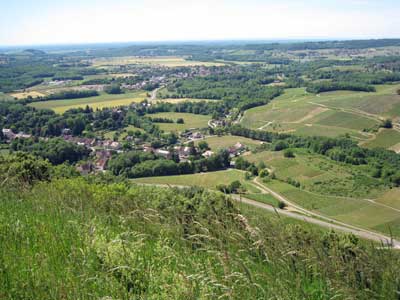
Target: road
column 309, row 217
column 326, row 221
column 368, row 235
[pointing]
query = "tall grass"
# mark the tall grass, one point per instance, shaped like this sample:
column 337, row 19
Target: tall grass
column 70, row 239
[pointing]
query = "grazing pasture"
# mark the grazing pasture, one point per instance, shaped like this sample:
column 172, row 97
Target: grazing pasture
column 101, row 101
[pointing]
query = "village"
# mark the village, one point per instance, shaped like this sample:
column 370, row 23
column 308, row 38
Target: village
column 102, row 150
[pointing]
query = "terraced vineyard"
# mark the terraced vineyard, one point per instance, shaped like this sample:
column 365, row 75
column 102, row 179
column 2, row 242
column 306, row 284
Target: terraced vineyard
column 331, row 114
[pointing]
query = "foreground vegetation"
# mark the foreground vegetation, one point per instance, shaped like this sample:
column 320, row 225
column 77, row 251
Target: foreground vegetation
column 84, row 238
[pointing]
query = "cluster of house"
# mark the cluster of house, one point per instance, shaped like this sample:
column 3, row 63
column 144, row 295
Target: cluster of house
column 190, row 135
column 236, row 149
column 10, row 135
column 140, row 85
column 99, row 164
column 93, row 143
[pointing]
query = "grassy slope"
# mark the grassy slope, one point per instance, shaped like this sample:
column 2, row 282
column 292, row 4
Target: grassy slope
column 386, row 138
column 73, row 240
column 101, row 101
column 191, row 121
column 226, row 141
column 207, row 180
column 330, row 114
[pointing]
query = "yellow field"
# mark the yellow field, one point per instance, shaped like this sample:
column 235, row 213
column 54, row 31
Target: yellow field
column 167, row 61
column 23, row 95
column 101, row 101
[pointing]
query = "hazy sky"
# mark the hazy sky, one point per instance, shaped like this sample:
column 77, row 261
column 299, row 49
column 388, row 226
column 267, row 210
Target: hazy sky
column 84, row 21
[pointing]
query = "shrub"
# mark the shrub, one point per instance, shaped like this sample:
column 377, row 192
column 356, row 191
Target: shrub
column 281, row 204
column 263, row 173
column 180, row 121
column 288, row 153
column 387, row 124
column 113, row 89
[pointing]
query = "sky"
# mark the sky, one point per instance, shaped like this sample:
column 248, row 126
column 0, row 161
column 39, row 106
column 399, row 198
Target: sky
column 44, row 22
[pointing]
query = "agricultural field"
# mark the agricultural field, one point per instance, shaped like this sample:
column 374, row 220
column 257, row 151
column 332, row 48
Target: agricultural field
column 320, row 175
column 330, row 114
column 5, row 97
column 22, row 95
column 207, row 180
column 191, row 121
column 358, row 212
column 226, row 141
column 166, row 61
column 101, row 101
column 385, row 138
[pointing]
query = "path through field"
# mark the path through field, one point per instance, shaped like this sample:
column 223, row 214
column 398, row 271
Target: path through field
column 308, row 216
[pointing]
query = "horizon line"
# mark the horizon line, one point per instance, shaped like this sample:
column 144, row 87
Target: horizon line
column 191, row 41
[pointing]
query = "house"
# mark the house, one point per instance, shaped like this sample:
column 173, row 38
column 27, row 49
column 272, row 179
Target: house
column 208, row 154
column 85, row 168
column 239, row 146
column 8, row 133
column 22, row 135
column 102, row 158
column 164, row 153
column 66, row 131
column 197, row 135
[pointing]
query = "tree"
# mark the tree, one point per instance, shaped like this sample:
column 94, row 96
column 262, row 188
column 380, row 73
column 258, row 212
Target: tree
column 113, row 89
column 180, row 121
column 387, row 124
column 203, row 146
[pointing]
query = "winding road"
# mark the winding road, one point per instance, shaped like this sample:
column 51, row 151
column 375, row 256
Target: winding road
column 305, row 215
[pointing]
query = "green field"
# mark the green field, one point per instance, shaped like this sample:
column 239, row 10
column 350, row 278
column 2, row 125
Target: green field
column 191, row 121
column 101, row 101
column 122, row 133
column 207, row 180
column 352, row 211
column 386, row 138
column 5, row 97
column 329, row 114
column 226, row 141
column 319, row 174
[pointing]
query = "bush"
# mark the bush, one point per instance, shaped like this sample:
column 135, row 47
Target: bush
column 387, row 124
column 113, row 89
column 281, row 204
column 264, row 173
column 288, row 153
column 180, row 121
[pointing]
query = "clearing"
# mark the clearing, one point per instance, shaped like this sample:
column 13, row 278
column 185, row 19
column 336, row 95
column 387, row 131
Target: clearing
column 226, row 141
column 191, row 121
